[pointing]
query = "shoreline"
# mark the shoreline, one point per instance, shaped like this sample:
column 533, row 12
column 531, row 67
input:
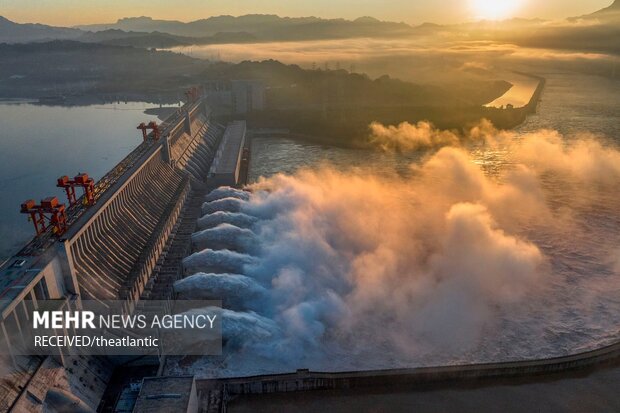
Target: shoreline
column 167, row 103
column 284, row 133
column 91, row 99
column 528, row 109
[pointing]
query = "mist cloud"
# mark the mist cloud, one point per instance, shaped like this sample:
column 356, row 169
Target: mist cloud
column 356, row 270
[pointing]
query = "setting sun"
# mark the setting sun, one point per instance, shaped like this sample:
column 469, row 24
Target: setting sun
column 494, row 9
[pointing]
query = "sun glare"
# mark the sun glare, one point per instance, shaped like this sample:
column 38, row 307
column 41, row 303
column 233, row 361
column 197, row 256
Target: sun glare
column 494, row 9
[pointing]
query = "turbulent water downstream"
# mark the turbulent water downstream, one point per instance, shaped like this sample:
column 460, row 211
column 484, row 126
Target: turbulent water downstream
column 365, row 259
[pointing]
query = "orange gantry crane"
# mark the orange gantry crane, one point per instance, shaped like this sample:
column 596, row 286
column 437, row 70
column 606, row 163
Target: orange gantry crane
column 50, row 213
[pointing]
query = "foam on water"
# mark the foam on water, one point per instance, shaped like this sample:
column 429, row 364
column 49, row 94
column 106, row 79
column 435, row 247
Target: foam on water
column 222, row 217
column 221, row 261
column 225, row 236
column 227, row 192
column 237, row 291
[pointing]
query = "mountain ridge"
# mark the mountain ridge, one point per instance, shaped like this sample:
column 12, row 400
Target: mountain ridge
column 610, row 12
column 145, row 31
column 264, row 26
column 12, row 32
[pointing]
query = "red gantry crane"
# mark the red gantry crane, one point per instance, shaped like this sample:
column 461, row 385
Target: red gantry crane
column 82, row 180
column 149, row 126
column 49, row 210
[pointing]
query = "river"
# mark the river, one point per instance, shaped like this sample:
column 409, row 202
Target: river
column 519, row 94
column 578, row 308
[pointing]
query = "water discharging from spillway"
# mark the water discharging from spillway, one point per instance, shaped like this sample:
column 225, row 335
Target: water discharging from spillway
column 347, row 270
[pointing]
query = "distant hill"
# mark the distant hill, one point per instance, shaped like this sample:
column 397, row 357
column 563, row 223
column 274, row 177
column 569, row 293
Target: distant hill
column 161, row 40
column 261, row 26
column 11, row 32
column 148, row 32
column 138, row 24
column 600, row 34
column 614, row 8
column 135, row 39
column 609, row 14
column 74, row 68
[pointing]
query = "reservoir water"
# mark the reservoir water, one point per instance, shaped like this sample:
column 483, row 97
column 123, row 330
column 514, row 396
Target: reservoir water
column 40, row 143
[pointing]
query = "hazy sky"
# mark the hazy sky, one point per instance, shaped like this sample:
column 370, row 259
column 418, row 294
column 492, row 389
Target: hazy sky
column 73, row 12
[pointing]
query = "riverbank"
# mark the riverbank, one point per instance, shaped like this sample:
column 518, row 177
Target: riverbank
column 425, row 377
column 580, row 392
column 523, row 87
column 502, row 118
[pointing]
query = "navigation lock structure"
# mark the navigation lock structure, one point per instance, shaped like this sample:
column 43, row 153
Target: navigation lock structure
column 124, row 239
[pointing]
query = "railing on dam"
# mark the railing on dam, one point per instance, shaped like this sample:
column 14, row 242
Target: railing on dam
column 305, row 380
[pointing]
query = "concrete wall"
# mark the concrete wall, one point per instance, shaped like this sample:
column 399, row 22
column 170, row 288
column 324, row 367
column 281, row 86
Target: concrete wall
column 236, row 97
column 226, row 164
column 116, row 246
column 111, row 248
column 304, row 380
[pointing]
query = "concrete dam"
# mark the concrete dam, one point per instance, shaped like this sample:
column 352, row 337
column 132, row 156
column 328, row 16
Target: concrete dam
column 125, row 239
column 122, row 240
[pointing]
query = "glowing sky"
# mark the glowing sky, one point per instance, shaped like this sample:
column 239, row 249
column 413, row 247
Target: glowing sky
column 73, row 12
